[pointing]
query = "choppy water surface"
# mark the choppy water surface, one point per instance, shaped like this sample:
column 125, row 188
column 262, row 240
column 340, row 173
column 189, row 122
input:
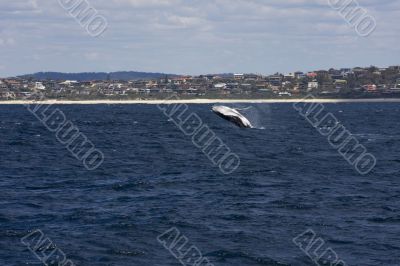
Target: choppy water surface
column 154, row 178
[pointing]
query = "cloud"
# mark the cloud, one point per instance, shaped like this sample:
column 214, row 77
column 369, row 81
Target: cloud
column 146, row 3
column 195, row 36
column 92, row 56
column 6, row 41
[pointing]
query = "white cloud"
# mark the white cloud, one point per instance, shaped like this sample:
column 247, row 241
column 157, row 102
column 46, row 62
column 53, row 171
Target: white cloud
column 195, row 36
column 146, row 3
column 92, row 56
column 6, row 41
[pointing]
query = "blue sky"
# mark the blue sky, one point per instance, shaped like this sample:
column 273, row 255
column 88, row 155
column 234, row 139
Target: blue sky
column 195, row 37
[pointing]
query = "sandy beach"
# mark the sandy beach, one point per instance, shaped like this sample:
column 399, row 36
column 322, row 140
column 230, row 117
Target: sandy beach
column 201, row 101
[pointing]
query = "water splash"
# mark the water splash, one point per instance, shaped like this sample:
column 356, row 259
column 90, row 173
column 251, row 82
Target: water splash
column 259, row 115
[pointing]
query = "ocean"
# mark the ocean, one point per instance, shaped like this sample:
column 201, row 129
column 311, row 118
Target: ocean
column 154, row 182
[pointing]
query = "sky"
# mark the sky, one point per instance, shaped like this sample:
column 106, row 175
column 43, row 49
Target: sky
column 195, row 36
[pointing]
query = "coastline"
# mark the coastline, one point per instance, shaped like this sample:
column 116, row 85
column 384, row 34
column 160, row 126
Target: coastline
column 200, row 101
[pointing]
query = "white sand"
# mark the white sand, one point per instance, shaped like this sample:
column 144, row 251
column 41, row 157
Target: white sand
column 205, row 101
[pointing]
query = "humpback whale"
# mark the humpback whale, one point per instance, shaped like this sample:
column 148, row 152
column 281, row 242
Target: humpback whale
column 232, row 115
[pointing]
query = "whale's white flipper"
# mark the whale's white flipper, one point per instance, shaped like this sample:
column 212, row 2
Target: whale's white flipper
column 232, row 115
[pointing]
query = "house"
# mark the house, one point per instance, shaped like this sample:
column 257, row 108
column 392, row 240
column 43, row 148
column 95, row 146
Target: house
column 39, row 86
column 245, row 86
column 153, row 84
column 265, row 90
column 289, row 76
column 192, row 91
column 133, row 90
column 285, row 93
column 296, row 88
column 333, row 71
column 342, row 83
column 275, row 80
column 395, row 68
column 312, row 75
column 209, row 77
column 251, row 77
column 339, row 85
column 14, row 84
column 312, row 85
column 232, row 85
column 275, row 89
column 69, row 82
column 145, row 91
column 345, row 71
column 238, row 76
column 220, row 86
column 7, row 95
column 3, row 85
column 370, row 88
column 337, row 77
column 299, row 75
column 359, row 70
column 396, row 87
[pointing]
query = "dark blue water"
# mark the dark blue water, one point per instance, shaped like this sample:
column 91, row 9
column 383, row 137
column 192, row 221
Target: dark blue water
column 154, row 178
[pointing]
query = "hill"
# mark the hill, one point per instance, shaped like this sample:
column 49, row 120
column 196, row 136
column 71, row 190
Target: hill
column 86, row 76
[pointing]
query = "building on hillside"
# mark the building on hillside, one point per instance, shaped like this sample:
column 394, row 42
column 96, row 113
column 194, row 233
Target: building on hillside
column 333, row 71
column 328, row 87
column 312, row 85
column 370, row 88
column 396, row 87
column 397, row 83
column 312, row 75
column 69, row 82
column 340, row 84
column 209, row 77
column 299, row 75
column 284, row 94
column 359, row 70
column 396, row 68
column 337, row 77
column 275, row 80
column 251, row 77
column 275, row 89
column 345, row 71
column 238, row 76
column 220, row 86
column 3, row 85
column 14, row 84
column 39, row 86
column 289, row 76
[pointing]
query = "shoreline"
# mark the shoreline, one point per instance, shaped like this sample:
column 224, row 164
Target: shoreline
column 199, row 101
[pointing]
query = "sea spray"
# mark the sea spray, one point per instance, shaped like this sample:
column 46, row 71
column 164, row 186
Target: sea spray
column 258, row 114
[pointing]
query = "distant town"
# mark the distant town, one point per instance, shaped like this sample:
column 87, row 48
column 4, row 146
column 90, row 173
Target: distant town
column 368, row 82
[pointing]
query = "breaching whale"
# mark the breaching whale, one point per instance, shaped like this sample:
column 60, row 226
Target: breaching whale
column 232, row 115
